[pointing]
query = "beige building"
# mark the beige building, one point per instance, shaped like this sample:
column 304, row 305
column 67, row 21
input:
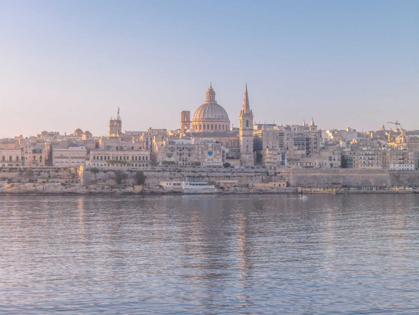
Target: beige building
column 10, row 157
column 121, row 158
column 402, row 160
column 73, row 156
column 326, row 159
column 205, row 152
column 368, row 158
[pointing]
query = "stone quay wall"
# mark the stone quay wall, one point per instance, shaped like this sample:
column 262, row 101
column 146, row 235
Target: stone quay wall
column 39, row 175
column 353, row 177
column 404, row 178
column 245, row 177
column 340, row 177
column 155, row 175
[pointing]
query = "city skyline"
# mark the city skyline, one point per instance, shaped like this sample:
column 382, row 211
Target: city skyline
column 70, row 65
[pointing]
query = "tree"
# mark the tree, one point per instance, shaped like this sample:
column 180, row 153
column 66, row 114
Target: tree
column 226, row 164
column 95, row 170
column 29, row 174
column 120, row 176
column 141, row 178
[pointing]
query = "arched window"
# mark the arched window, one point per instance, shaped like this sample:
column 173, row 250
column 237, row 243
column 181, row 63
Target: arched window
column 215, row 126
column 208, row 127
column 212, row 127
column 247, row 123
column 204, row 126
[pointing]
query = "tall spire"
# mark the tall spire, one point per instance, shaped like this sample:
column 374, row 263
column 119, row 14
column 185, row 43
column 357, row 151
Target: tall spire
column 246, row 105
column 118, row 116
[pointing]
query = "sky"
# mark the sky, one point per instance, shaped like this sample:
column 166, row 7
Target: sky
column 71, row 64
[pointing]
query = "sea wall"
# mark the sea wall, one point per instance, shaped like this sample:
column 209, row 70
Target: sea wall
column 339, row 177
column 154, row 176
column 244, row 177
column 404, row 178
column 39, row 175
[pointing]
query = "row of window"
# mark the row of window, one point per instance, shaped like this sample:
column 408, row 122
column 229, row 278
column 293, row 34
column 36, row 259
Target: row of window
column 132, row 165
column 210, row 127
column 120, row 158
column 10, row 159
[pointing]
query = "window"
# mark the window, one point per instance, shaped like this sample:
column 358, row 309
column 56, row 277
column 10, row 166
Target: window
column 247, row 123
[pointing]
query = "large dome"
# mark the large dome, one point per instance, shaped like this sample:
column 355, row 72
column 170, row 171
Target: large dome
column 210, row 116
column 211, row 112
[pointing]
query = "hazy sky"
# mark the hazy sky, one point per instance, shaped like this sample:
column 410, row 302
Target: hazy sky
column 70, row 64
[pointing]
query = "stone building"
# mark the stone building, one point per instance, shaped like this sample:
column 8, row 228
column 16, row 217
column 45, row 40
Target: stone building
column 10, row 157
column 73, row 156
column 119, row 158
column 402, row 160
column 205, row 152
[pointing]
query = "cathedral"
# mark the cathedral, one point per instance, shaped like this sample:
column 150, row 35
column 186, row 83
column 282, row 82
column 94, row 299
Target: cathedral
column 211, row 120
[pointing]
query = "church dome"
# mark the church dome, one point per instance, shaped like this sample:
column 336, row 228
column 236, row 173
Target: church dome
column 210, row 112
column 78, row 132
column 210, row 116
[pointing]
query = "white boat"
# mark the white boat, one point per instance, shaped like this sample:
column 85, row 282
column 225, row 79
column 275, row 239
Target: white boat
column 188, row 187
column 303, row 197
column 171, row 186
column 197, row 187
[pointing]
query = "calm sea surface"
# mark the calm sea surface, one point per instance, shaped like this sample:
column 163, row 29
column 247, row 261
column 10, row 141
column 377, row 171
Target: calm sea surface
column 210, row 255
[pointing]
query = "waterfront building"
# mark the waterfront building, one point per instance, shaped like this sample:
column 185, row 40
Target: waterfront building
column 402, row 160
column 119, row 158
column 200, row 152
column 73, row 156
column 10, row 157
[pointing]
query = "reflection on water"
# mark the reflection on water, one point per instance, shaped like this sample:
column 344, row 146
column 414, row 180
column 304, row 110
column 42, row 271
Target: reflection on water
column 209, row 254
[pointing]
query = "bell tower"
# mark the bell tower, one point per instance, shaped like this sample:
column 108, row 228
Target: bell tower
column 246, row 132
column 185, row 122
column 115, row 126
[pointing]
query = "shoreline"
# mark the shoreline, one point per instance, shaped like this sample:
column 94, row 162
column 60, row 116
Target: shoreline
column 163, row 193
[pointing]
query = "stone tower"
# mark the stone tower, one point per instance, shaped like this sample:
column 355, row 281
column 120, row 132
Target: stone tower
column 185, row 122
column 246, row 132
column 115, row 126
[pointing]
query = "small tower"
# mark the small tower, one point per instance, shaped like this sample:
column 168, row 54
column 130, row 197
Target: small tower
column 312, row 126
column 185, row 122
column 115, row 126
column 246, row 132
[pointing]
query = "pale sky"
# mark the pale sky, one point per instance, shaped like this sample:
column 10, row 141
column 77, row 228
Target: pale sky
column 71, row 64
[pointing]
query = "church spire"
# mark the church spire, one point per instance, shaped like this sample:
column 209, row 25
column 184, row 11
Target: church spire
column 246, row 105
